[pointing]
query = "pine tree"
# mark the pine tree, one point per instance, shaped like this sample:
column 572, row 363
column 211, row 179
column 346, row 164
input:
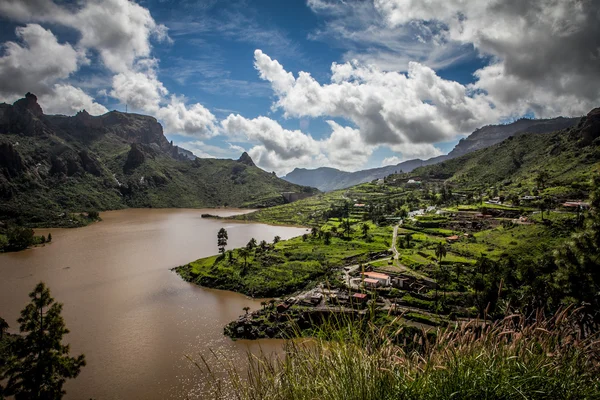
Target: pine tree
column 222, row 240
column 40, row 364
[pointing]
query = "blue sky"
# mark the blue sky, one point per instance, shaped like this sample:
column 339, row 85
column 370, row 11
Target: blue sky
column 305, row 83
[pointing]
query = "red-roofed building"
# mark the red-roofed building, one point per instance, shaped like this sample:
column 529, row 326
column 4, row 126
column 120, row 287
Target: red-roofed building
column 383, row 279
column 359, row 297
column 371, row 282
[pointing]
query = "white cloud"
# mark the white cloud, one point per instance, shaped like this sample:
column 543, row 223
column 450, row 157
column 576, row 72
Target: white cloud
column 282, row 150
column 39, row 64
column 422, row 151
column 545, row 53
column 194, row 120
column 287, row 144
column 39, row 61
column 67, row 99
column 139, row 90
column 120, row 31
column 389, row 108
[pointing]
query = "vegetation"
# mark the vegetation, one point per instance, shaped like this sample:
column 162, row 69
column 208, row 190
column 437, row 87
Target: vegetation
column 509, row 359
column 17, row 238
column 55, row 173
column 222, row 240
column 290, row 265
column 38, row 363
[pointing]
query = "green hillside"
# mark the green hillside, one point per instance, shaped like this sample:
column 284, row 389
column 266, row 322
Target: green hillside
column 559, row 163
column 54, row 166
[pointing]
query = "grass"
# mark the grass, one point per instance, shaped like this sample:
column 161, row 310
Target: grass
column 510, row 359
column 289, row 265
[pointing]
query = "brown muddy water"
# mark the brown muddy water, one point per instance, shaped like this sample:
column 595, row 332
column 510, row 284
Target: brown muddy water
column 133, row 318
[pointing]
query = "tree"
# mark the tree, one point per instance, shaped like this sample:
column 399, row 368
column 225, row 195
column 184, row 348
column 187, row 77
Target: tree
column 222, row 240
column 246, row 309
column 578, row 262
column 251, row 244
column 263, row 245
column 276, row 239
column 20, row 238
column 40, row 363
column 541, row 179
column 347, row 228
column 263, row 304
column 49, row 237
column 314, row 231
column 408, row 238
column 3, row 327
column 244, row 253
column 365, row 229
column 440, row 251
column 327, row 237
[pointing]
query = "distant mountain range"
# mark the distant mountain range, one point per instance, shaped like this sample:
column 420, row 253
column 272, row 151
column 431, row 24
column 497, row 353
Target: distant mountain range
column 53, row 165
column 328, row 179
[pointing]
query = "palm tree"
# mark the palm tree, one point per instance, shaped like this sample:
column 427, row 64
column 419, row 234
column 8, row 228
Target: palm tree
column 263, row 245
column 334, row 230
column 244, row 253
column 3, row 327
column 276, row 239
column 365, row 229
column 251, row 244
column 440, row 251
column 314, row 231
column 263, row 304
column 246, row 309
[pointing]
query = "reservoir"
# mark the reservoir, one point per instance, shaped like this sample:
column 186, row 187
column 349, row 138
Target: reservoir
column 133, row 318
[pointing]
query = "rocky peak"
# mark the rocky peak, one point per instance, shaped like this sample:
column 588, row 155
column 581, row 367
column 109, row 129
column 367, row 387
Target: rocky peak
column 589, row 126
column 246, row 159
column 30, row 103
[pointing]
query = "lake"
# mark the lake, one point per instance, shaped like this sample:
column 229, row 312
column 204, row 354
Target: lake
column 133, row 318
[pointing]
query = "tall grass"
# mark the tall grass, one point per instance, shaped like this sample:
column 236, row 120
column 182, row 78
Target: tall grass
column 509, row 359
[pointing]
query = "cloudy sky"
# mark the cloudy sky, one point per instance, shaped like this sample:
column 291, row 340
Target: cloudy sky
column 350, row 84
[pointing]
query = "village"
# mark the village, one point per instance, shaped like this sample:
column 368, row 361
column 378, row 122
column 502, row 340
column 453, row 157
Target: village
column 406, row 280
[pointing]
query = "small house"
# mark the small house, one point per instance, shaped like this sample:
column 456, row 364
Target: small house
column 383, row 279
column 370, row 283
column 359, row 297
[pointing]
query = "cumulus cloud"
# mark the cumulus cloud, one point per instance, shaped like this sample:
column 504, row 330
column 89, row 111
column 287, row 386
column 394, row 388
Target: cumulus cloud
column 194, row 120
column 282, row 150
column 120, row 31
column 546, row 53
column 37, row 64
column 393, row 160
column 67, row 99
column 389, row 108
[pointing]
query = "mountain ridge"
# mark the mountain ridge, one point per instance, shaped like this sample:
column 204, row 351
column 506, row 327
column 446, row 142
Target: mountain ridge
column 328, row 179
column 55, row 165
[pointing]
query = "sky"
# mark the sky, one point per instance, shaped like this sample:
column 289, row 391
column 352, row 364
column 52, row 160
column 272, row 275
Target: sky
column 349, row 84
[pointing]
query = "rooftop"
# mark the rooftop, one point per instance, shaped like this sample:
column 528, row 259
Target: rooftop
column 376, row 275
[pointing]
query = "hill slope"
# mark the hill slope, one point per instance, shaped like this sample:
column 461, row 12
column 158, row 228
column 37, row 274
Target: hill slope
column 327, row 179
column 53, row 165
column 568, row 157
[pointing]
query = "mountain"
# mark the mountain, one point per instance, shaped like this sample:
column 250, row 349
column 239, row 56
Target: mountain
column 54, row 165
column 567, row 158
column 492, row 134
column 328, row 179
